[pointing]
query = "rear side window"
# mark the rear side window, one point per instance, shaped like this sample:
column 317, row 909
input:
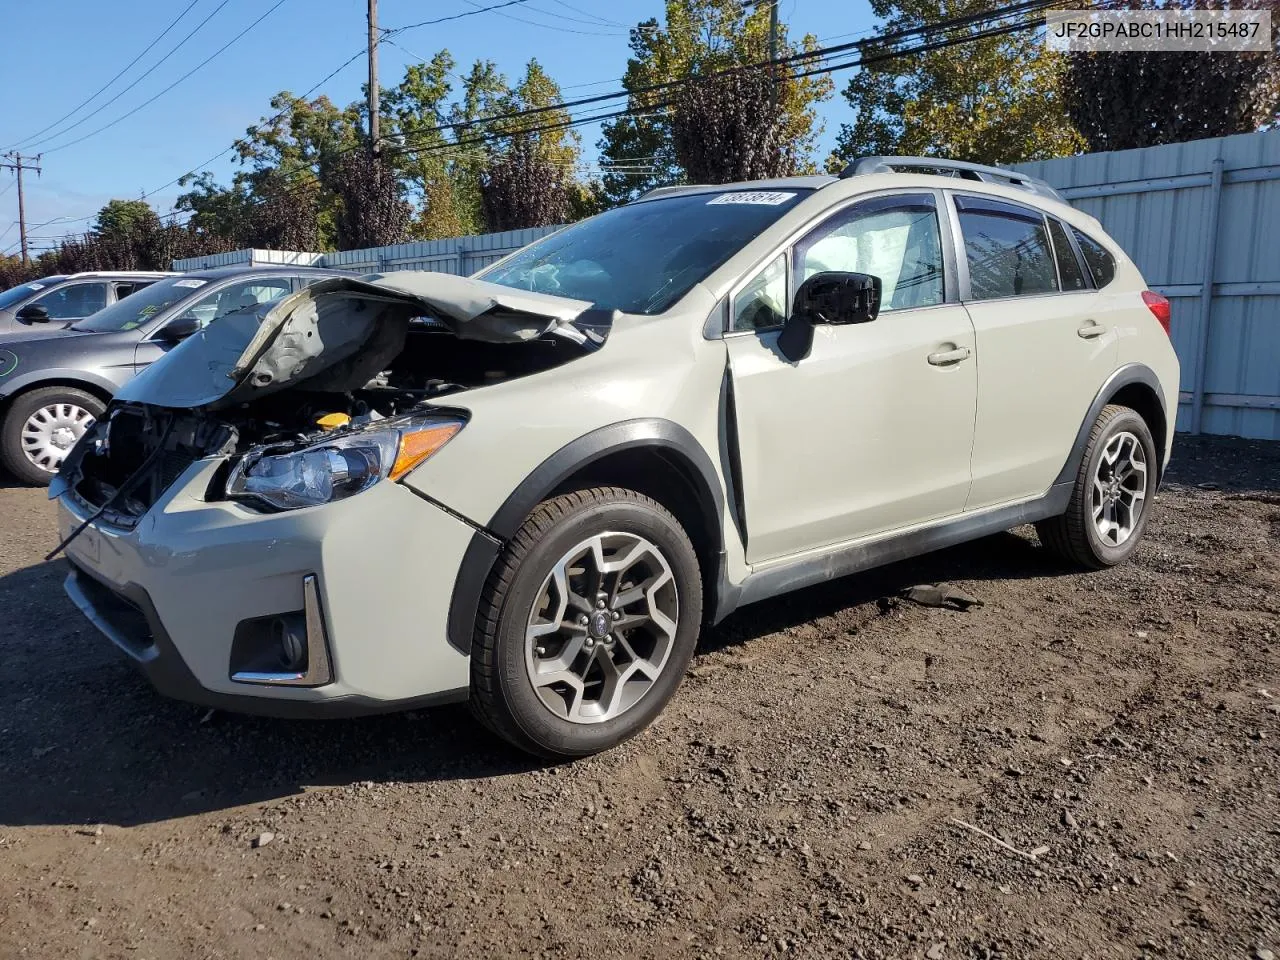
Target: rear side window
column 124, row 289
column 1069, row 272
column 1007, row 249
column 1102, row 265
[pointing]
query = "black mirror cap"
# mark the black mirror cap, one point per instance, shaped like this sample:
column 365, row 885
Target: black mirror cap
column 177, row 330
column 839, row 297
column 33, row 313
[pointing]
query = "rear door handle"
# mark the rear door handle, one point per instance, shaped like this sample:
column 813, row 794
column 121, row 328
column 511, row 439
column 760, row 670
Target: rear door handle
column 946, row 358
column 1090, row 329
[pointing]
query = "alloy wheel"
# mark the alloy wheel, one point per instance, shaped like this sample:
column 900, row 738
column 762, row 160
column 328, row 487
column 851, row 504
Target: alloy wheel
column 602, row 627
column 1119, row 488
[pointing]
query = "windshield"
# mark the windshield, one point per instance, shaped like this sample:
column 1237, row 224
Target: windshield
column 643, row 257
column 18, row 294
column 137, row 308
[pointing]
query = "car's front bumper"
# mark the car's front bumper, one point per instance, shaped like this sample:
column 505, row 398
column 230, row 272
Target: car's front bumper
column 172, row 592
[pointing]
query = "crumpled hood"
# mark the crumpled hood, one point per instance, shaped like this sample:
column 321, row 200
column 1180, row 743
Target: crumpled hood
column 338, row 333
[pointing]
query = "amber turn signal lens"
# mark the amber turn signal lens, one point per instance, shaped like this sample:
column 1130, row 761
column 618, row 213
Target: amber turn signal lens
column 419, row 444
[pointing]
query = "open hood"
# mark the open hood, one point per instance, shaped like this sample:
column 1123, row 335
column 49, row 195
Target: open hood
column 338, row 333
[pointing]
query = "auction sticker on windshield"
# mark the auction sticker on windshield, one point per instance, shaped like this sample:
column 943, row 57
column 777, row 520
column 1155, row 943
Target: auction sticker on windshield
column 768, row 198
column 190, row 283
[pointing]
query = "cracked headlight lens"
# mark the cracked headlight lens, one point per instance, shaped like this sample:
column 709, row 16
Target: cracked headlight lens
column 337, row 468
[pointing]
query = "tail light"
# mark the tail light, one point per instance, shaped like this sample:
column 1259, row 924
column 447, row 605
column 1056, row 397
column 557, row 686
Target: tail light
column 1159, row 307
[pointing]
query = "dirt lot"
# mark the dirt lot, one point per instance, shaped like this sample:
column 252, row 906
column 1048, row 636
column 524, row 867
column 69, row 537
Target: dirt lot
column 802, row 795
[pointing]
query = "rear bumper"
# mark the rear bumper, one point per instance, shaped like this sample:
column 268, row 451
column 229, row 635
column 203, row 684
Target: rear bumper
column 172, row 593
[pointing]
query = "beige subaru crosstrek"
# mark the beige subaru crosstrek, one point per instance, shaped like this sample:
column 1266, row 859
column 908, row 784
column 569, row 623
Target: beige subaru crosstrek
column 532, row 489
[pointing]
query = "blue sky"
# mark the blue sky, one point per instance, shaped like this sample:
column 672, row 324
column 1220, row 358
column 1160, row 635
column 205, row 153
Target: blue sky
column 59, row 53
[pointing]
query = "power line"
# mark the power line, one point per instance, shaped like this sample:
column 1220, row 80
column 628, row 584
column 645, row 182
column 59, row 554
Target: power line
column 222, row 49
column 550, row 26
column 801, row 58
column 456, row 16
column 129, row 66
column 436, row 149
column 88, row 116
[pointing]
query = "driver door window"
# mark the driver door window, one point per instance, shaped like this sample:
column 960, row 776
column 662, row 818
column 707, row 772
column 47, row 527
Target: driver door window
column 894, row 238
column 74, row 302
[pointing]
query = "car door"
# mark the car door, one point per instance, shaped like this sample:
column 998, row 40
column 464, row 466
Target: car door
column 1044, row 347
column 872, row 431
column 223, row 299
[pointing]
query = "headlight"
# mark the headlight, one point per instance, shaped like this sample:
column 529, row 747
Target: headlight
column 341, row 467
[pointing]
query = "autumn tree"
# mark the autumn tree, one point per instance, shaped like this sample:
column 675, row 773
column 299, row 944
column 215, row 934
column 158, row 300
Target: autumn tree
column 371, row 212
column 701, row 38
column 1132, row 99
column 730, row 128
column 997, row 99
column 522, row 187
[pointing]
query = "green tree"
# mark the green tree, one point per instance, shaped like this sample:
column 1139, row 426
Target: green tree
column 700, row 37
column 993, row 100
column 124, row 217
column 413, row 113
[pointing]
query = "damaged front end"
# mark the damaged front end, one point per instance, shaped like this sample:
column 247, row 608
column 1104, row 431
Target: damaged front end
column 321, row 394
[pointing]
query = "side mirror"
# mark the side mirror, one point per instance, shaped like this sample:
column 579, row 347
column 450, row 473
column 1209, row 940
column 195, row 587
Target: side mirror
column 178, row 329
column 34, row 313
column 831, row 297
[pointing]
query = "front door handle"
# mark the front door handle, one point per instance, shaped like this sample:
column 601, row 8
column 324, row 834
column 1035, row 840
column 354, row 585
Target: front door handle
column 945, row 358
column 1090, row 329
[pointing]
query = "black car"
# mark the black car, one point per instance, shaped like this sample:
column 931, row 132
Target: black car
column 53, row 302
column 54, row 384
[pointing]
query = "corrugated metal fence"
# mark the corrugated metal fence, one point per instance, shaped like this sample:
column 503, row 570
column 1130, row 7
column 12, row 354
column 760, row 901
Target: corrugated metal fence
column 457, row 255
column 1202, row 222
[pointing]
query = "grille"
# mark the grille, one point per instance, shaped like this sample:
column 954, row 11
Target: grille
column 129, row 437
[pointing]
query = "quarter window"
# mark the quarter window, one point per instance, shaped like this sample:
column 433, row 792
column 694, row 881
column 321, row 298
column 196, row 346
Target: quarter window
column 894, row 238
column 1007, row 249
column 1101, row 264
column 1069, row 272
column 762, row 303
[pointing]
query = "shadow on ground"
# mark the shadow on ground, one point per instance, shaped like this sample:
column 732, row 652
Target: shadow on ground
column 83, row 739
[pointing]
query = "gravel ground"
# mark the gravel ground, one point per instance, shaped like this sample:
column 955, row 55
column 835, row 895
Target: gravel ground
column 1084, row 766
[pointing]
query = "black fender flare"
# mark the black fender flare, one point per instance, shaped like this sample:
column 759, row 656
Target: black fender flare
column 664, row 436
column 1126, row 375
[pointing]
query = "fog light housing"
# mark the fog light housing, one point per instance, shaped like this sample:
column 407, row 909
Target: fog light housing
column 286, row 650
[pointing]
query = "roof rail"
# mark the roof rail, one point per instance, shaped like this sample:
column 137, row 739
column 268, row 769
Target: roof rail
column 951, row 168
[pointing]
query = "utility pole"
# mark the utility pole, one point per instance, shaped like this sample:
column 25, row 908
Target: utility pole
column 16, row 164
column 374, row 136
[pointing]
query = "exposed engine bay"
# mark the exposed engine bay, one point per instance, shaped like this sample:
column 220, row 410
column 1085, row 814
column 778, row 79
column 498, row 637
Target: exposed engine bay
column 137, row 451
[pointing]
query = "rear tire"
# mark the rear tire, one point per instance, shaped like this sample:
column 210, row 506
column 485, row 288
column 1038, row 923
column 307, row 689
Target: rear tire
column 40, row 428
column 586, row 624
column 1112, row 494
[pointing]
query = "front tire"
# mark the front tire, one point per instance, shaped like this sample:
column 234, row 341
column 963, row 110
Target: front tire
column 1111, row 498
column 40, row 428
column 587, row 623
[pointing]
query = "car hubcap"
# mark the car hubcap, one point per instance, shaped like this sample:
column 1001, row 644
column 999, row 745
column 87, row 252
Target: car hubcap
column 1119, row 488
column 51, row 432
column 602, row 627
